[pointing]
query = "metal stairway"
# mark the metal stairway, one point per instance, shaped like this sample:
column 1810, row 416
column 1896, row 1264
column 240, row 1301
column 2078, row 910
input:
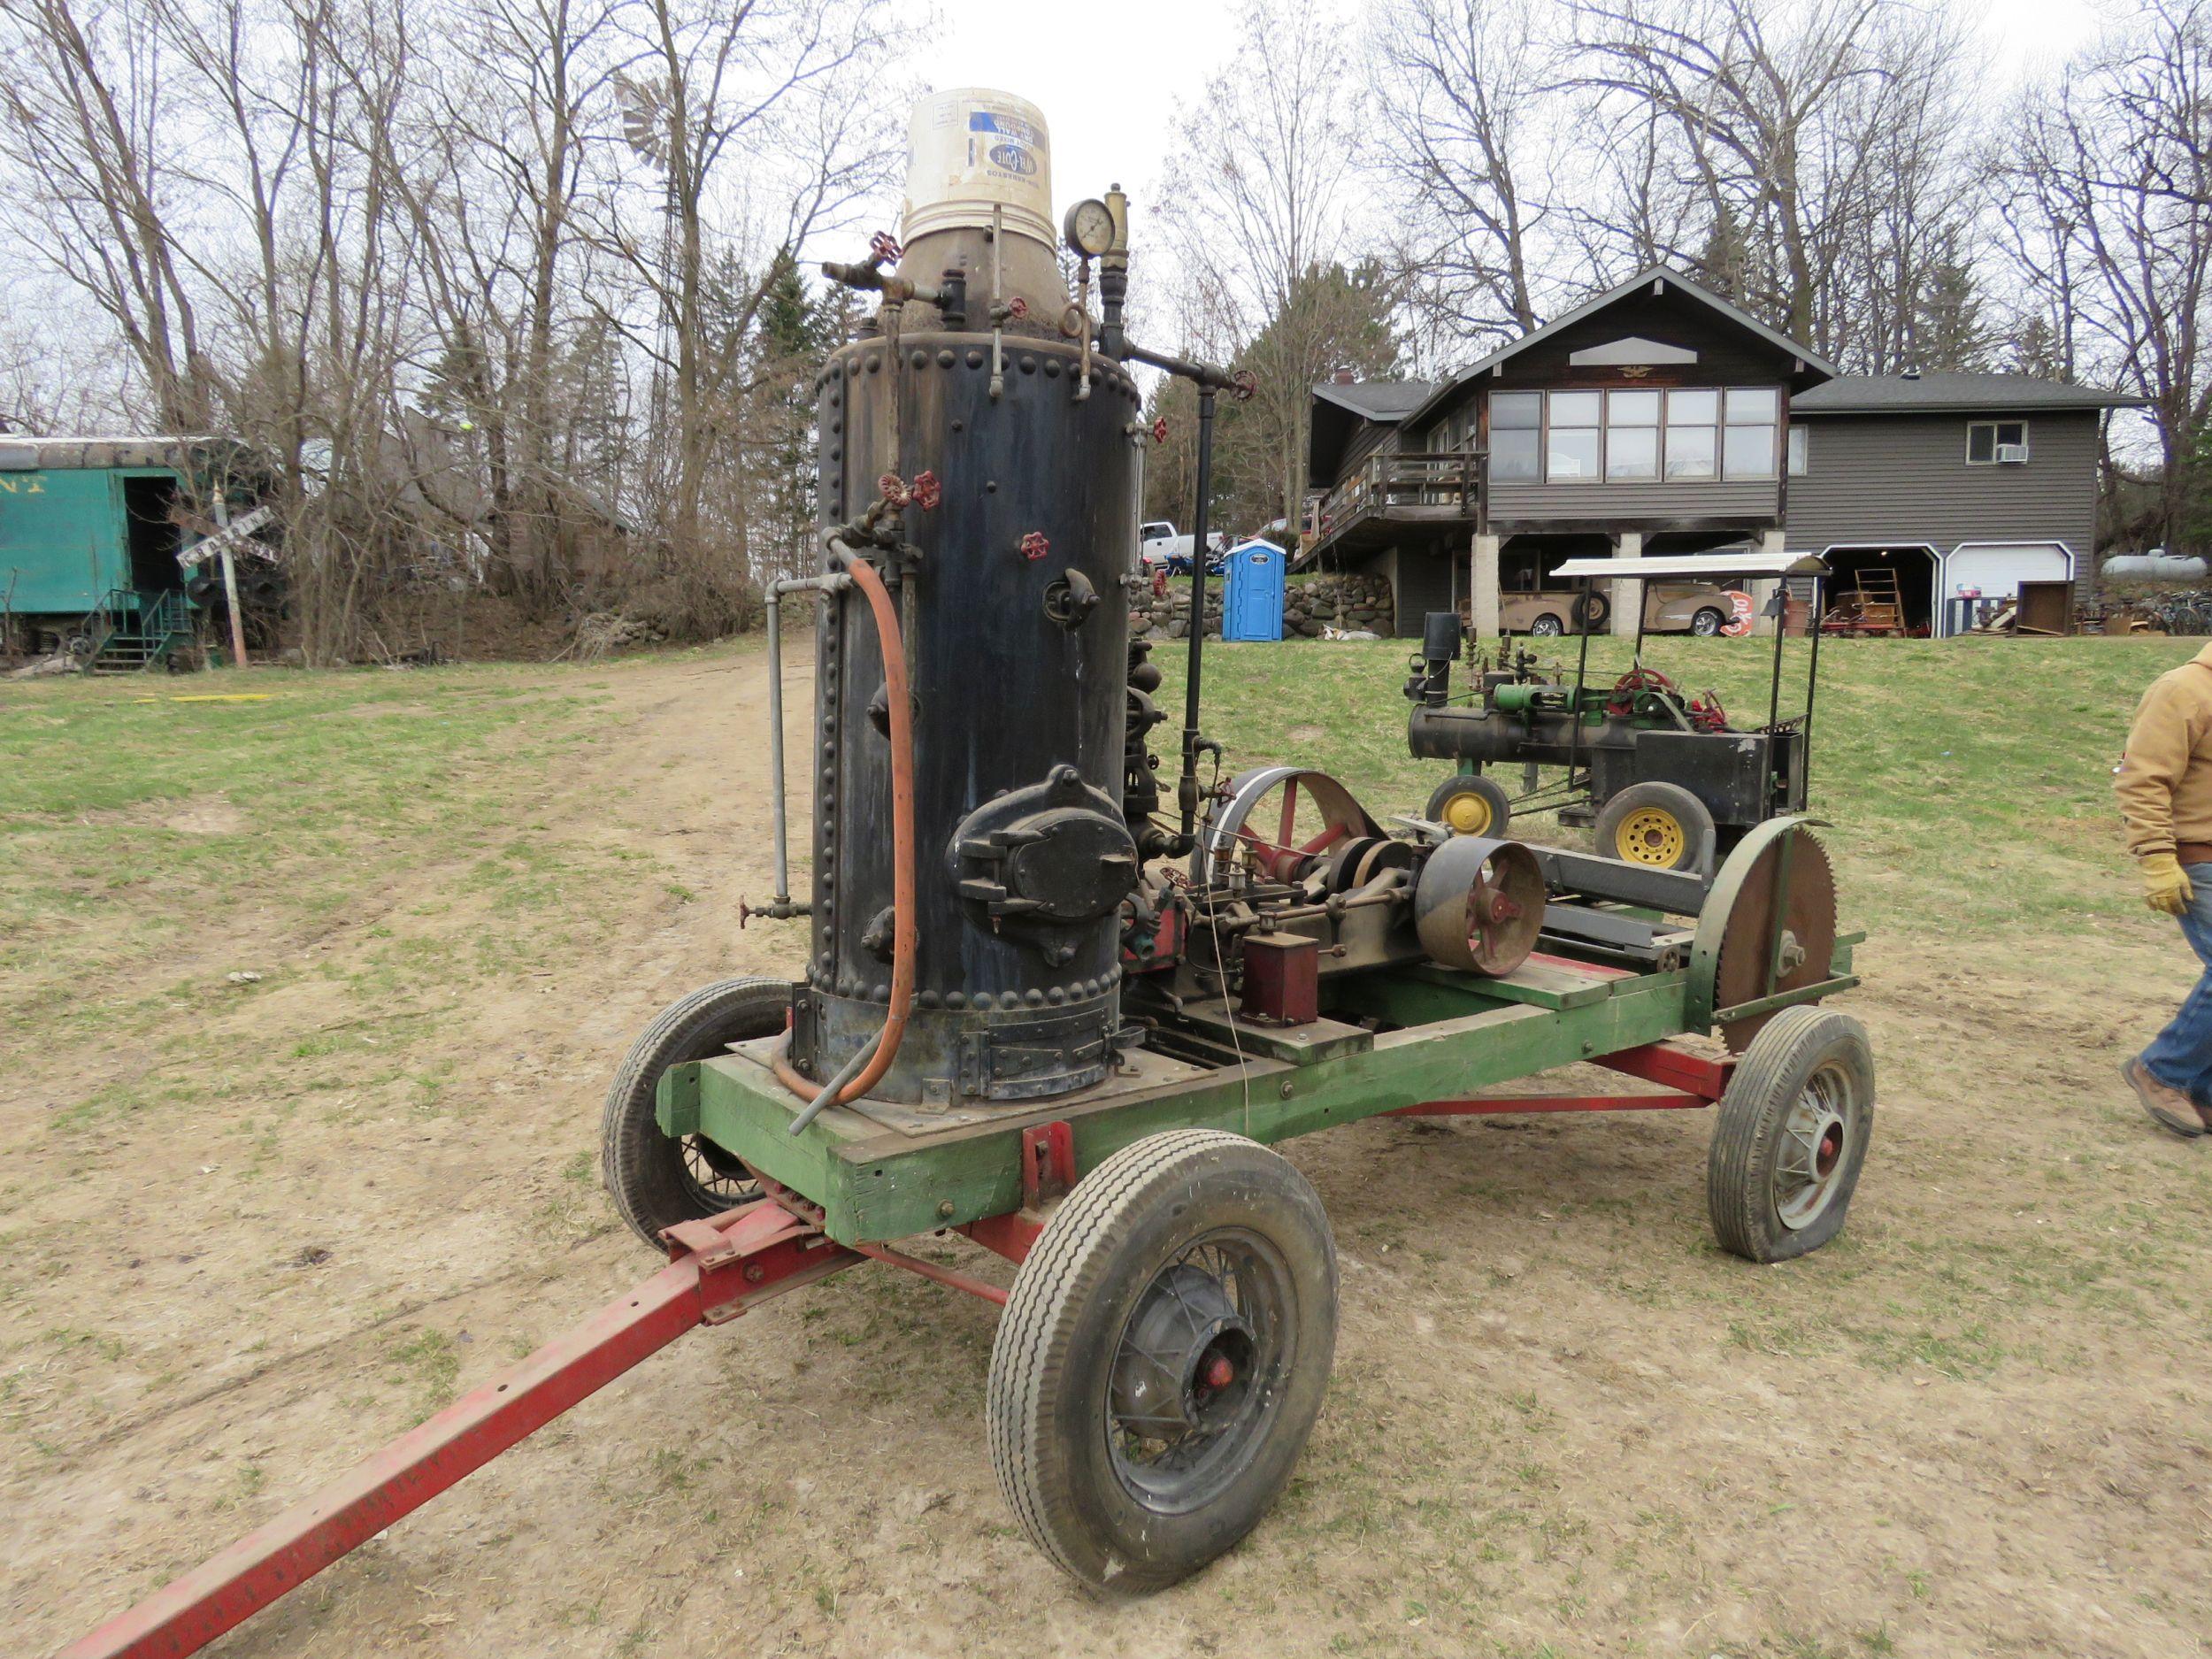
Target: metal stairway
column 131, row 631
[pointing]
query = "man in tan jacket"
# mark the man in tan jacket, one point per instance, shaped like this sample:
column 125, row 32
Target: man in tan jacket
column 2164, row 782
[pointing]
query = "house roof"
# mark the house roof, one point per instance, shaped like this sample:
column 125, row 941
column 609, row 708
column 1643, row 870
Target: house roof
column 1382, row 401
column 1339, row 411
column 1666, row 273
column 1949, row 392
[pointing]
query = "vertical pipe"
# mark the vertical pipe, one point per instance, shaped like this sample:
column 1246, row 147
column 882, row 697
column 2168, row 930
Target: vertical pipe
column 1582, row 675
column 775, row 740
column 1812, row 684
column 1781, row 633
column 1186, row 789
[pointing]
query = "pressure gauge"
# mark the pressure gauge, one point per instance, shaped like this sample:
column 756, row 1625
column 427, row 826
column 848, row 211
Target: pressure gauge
column 1088, row 228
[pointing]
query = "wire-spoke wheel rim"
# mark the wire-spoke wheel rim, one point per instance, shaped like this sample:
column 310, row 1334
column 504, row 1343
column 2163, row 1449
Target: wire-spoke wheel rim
column 1198, row 1370
column 1816, row 1134
column 715, row 1177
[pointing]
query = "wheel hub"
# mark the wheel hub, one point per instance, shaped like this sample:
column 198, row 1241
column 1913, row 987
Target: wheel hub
column 1183, row 1367
column 1814, row 1136
column 1651, row 836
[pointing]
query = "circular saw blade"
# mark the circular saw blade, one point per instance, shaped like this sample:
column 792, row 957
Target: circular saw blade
column 1795, row 870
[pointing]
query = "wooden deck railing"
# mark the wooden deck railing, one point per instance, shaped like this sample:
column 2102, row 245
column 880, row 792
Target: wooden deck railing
column 1449, row 485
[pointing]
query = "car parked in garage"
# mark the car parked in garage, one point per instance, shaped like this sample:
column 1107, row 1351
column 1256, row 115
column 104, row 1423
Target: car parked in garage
column 1535, row 602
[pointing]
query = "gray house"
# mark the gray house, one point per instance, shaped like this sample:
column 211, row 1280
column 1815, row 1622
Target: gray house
column 1962, row 483
column 1659, row 419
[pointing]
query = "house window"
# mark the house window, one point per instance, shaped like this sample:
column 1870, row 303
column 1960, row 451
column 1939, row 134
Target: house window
column 1693, row 435
column 1989, row 441
column 1799, row 450
column 1631, row 435
column 1517, row 436
column 1573, row 445
column 1751, row 414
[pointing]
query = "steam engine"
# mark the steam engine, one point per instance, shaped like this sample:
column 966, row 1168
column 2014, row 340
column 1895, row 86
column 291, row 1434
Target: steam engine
column 981, row 447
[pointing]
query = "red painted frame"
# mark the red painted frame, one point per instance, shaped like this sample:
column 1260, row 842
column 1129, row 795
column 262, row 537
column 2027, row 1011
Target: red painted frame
column 717, row 1270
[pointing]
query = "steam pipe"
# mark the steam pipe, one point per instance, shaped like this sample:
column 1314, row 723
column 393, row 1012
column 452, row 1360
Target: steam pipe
column 818, row 1100
column 1208, row 377
column 1186, row 787
column 782, row 908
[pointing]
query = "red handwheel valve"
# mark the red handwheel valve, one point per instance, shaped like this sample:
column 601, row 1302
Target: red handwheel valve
column 926, row 491
column 1034, row 546
column 1159, row 430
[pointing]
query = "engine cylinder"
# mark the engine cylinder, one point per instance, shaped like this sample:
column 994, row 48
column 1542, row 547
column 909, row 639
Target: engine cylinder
column 1015, row 616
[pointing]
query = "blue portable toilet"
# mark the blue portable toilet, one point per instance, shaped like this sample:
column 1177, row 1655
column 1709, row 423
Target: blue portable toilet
column 1252, row 608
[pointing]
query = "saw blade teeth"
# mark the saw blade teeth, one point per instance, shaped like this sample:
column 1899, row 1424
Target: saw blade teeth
column 1737, row 1033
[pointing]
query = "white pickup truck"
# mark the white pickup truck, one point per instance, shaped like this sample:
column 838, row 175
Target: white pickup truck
column 1159, row 547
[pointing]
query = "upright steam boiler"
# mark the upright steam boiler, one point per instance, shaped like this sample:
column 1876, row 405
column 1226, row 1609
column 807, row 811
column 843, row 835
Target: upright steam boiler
column 1000, row 451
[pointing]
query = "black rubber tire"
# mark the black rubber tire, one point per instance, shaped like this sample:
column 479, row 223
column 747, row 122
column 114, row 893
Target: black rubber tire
column 1548, row 626
column 1591, row 610
column 1707, row 623
column 648, row 1174
column 1749, row 1140
column 1050, row 1366
column 1672, row 798
column 1492, row 793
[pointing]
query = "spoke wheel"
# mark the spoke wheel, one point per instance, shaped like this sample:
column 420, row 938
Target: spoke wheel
column 654, row 1181
column 1164, row 1354
column 1283, row 823
column 1197, row 1373
column 1791, row 1136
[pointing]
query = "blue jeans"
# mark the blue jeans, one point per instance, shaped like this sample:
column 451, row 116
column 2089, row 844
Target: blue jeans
column 2181, row 1057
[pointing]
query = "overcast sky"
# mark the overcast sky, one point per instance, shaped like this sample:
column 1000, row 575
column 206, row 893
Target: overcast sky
column 1117, row 126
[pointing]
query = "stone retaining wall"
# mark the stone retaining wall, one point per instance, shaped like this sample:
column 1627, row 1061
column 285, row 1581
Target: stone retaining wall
column 1309, row 604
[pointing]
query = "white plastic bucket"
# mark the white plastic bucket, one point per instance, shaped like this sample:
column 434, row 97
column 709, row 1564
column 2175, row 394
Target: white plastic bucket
column 971, row 149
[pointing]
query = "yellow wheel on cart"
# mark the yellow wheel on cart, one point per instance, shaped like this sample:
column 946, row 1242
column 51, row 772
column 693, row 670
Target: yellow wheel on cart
column 1468, row 804
column 1661, row 825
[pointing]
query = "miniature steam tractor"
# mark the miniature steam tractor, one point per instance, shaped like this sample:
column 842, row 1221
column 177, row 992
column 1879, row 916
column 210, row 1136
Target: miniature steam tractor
column 1661, row 775
column 1046, row 1005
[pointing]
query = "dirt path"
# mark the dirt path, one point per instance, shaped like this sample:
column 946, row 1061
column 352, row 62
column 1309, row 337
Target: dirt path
column 1561, row 1423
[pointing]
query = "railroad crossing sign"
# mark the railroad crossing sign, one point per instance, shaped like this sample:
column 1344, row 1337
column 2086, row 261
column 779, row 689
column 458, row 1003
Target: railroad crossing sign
column 225, row 539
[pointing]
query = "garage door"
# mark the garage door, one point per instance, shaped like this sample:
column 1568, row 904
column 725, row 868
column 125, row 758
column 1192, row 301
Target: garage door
column 1996, row 569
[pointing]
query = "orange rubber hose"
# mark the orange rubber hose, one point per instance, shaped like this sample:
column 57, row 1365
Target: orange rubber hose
column 904, row 929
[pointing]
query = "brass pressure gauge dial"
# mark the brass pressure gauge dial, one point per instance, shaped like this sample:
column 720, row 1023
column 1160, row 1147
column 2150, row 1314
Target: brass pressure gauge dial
column 1088, row 228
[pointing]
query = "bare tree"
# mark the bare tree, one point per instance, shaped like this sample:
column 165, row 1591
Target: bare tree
column 1803, row 158
column 1259, row 203
column 1464, row 138
column 83, row 106
column 2105, row 181
column 790, row 85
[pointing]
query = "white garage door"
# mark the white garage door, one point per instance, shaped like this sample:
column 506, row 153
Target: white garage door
column 1995, row 569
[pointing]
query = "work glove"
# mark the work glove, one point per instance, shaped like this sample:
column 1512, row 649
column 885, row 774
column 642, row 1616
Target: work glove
column 2165, row 884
